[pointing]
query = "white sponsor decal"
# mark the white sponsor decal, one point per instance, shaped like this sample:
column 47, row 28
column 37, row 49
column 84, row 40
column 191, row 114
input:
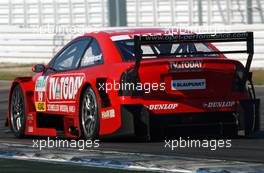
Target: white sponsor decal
column 88, row 60
column 108, row 114
column 189, row 84
column 30, row 129
column 61, row 108
column 162, row 106
column 41, row 84
column 64, row 108
column 186, row 65
column 120, row 37
column 126, row 37
column 64, row 88
column 52, row 107
column 221, row 104
column 72, row 109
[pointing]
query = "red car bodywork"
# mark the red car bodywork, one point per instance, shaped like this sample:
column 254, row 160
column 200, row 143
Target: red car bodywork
column 217, row 97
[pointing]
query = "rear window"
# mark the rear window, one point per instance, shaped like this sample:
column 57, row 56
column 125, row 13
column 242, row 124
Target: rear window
column 126, row 48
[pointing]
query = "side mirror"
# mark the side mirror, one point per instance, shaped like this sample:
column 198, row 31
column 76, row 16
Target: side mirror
column 38, row 68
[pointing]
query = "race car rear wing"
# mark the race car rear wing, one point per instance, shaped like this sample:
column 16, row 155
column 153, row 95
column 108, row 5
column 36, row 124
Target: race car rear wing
column 196, row 38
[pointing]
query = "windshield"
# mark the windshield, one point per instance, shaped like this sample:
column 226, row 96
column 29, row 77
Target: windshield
column 126, row 48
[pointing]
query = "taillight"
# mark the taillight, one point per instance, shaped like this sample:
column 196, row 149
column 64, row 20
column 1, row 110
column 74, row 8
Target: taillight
column 128, row 83
column 239, row 83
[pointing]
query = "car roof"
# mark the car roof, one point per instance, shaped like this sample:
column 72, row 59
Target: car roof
column 141, row 31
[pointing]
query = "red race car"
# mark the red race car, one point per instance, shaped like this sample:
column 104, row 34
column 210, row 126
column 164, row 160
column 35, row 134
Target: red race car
column 140, row 82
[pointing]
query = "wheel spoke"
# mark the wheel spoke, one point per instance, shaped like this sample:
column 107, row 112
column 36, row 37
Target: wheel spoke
column 87, row 126
column 18, row 123
column 87, row 120
column 87, row 102
column 90, row 117
column 91, row 127
column 16, row 115
column 17, row 98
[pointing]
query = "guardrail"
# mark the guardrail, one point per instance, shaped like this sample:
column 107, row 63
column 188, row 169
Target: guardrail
column 30, row 13
column 27, row 45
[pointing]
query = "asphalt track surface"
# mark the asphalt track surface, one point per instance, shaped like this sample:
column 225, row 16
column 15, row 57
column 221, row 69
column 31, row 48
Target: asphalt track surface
column 26, row 166
column 243, row 149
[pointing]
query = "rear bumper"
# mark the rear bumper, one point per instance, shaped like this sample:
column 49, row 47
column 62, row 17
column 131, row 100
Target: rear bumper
column 183, row 105
column 138, row 120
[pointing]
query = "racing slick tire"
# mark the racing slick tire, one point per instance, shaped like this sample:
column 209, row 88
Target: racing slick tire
column 89, row 115
column 230, row 132
column 17, row 112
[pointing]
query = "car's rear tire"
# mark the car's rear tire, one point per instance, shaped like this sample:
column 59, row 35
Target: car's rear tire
column 230, row 132
column 89, row 115
column 17, row 112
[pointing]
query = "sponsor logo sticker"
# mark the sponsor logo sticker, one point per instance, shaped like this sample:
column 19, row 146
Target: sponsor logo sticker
column 53, row 107
column 195, row 65
column 30, row 120
column 108, row 114
column 219, row 104
column 189, row 84
column 120, row 37
column 162, row 106
column 30, row 129
column 40, row 106
column 61, row 108
column 41, row 84
column 64, row 87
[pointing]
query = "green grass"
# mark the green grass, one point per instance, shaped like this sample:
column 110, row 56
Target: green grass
column 258, row 77
column 14, row 65
column 11, row 71
column 12, row 76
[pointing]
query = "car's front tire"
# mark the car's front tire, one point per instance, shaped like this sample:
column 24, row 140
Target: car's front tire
column 89, row 115
column 17, row 112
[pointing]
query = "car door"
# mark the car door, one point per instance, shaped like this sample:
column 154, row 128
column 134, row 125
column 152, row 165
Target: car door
column 56, row 89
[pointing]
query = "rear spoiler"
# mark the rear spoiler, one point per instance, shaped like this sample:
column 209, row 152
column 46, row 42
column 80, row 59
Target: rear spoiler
column 196, row 38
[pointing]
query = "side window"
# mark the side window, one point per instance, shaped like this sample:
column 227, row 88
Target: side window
column 93, row 55
column 69, row 59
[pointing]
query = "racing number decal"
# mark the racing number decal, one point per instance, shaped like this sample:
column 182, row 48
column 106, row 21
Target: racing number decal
column 40, row 94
